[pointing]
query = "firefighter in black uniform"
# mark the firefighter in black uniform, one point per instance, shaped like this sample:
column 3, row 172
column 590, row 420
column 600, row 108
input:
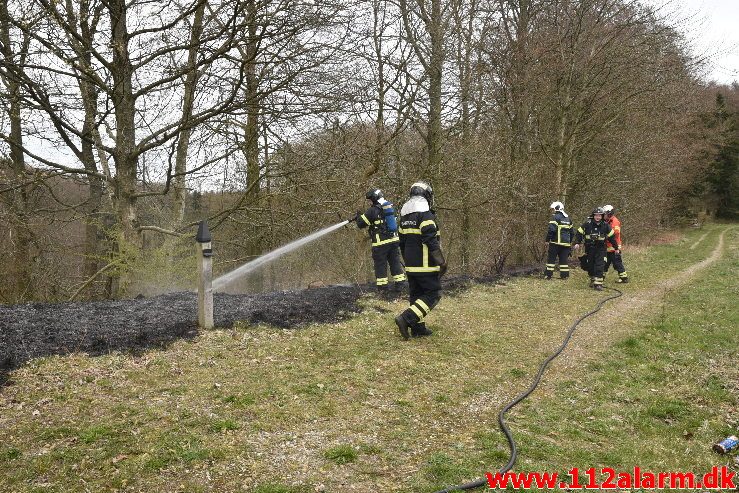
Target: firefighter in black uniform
column 559, row 237
column 383, row 232
column 596, row 232
column 424, row 261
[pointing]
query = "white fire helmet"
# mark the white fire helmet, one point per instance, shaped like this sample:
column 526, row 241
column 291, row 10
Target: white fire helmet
column 608, row 209
column 557, row 206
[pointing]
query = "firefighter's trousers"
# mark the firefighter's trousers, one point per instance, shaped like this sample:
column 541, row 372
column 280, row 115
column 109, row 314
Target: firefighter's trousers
column 596, row 261
column 383, row 255
column 561, row 253
column 424, row 292
column 618, row 264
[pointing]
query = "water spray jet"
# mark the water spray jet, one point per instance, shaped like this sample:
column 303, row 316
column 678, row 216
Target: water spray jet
column 223, row 281
column 207, row 286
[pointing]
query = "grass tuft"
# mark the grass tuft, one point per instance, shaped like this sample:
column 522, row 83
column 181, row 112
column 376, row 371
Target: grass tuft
column 668, row 409
column 96, row 432
column 10, row 453
column 240, row 401
column 279, row 488
column 224, row 425
column 341, row 454
column 441, row 469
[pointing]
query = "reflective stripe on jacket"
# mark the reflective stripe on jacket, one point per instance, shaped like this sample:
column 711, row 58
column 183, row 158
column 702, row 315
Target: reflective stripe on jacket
column 593, row 232
column 374, row 218
column 560, row 230
column 616, row 227
column 419, row 235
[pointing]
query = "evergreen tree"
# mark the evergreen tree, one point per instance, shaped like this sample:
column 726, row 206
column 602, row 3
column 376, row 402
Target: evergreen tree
column 723, row 178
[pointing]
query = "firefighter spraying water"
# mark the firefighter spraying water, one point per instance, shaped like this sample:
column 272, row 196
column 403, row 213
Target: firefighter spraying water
column 383, row 232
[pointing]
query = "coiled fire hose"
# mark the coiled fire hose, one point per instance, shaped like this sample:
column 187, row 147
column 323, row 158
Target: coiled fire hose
column 501, row 415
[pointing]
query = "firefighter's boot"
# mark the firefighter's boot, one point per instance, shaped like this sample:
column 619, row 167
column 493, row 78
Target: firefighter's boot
column 598, row 287
column 403, row 325
column 420, row 330
column 383, row 292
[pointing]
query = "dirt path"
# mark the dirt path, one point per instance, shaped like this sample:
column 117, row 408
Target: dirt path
column 590, row 336
column 694, row 245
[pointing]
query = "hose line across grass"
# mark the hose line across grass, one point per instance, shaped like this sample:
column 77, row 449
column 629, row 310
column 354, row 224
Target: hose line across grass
column 501, row 415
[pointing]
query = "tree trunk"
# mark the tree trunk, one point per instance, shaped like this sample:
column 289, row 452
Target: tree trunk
column 436, row 67
column 20, row 231
column 251, row 134
column 93, row 234
column 183, row 143
column 92, row 209
column 378, row 150
column 126, row 158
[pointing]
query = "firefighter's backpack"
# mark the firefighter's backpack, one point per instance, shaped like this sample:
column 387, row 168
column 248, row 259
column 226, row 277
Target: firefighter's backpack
column 391, row 222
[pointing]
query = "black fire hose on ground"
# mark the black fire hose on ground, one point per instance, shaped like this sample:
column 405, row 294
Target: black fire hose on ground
column 501, row 415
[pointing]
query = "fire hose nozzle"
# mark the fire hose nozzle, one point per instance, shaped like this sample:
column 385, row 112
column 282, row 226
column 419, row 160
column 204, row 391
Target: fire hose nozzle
column 354, row 217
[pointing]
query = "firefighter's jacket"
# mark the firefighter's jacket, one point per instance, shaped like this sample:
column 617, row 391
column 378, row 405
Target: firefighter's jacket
column 596, row 234
column 374, row 219
column 560, row 229
column 419, row 235
column 616, row 227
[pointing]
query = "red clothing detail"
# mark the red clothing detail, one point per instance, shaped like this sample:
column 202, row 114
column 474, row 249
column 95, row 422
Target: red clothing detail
column 616, row 227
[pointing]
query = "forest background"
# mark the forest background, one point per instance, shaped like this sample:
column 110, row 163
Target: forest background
column 124, row 124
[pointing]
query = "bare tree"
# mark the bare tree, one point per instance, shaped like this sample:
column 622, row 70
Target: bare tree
column 278, row 111
column 425, row 23
column 14, row 48
column 131, row 72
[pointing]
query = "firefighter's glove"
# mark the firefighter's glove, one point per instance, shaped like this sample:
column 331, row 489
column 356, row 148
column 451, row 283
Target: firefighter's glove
column 439, row 260
column 354, row 218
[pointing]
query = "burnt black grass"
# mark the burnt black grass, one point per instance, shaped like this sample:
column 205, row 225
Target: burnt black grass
column 37, row 330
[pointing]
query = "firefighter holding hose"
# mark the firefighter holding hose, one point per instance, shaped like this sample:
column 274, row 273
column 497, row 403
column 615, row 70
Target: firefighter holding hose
column 595, row 232
column 424, row 261
column 383, row 231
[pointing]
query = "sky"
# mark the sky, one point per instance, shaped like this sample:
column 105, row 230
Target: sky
column 712, row 27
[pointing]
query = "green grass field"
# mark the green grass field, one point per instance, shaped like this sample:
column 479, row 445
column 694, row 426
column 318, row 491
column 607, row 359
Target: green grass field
column 652, row 380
